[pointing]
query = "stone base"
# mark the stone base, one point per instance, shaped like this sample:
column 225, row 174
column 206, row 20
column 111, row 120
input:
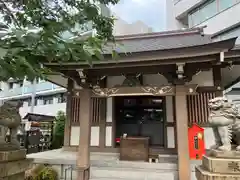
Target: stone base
column 83, row 173
column 13, row 164
column 220, row 165
column 202, row 174
column 19, row 176
column 225, row 154
column 8, row 147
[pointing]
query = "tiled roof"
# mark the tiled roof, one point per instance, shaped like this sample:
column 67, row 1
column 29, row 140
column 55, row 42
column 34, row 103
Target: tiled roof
column 159, row 41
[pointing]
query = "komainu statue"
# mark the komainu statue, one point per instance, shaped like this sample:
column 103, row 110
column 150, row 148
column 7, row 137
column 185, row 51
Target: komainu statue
column 9, row 119
column 224, row 119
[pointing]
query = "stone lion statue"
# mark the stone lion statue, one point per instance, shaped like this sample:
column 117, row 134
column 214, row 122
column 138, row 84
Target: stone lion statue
column 9, row 119
column 224, row 119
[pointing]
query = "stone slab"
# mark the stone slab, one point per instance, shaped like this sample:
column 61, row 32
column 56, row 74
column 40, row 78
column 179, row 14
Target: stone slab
column 14, row 167
column 225, row 154
column 19, row 176
column 6, row 156
column 221, row 165
column 202, row 174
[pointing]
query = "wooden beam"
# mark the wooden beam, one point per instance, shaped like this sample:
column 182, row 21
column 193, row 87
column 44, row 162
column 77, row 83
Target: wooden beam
column 131, row 70
column 184, row 168
column 134, row 64
column 167, row 90
column 67, row 129
column 83, row 154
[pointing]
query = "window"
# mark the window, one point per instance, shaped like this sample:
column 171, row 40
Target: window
column 10, row 85
column 21, row 83
column 61, row 98
column 48, row 100
column 224, row 4
column 208, row 10
column 29, row 101
column 36, row 102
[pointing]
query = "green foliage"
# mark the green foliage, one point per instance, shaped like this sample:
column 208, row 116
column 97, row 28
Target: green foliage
column 41, row 172
column 60, row 124
column 50, row 30
column 48, row 173
column 58, row 133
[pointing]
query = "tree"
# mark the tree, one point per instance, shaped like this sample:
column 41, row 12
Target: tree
column 38, row 31
column 58, row 132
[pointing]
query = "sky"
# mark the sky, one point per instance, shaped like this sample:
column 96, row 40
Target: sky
column 151, row 12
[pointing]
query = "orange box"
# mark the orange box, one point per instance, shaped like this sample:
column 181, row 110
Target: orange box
column 196, row 142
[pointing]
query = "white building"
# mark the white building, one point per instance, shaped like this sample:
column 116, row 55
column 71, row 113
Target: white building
column 219, row 16
column 49, row 99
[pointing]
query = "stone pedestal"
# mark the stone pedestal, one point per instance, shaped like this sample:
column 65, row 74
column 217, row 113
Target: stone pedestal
column 13, row 164
column 219, row 165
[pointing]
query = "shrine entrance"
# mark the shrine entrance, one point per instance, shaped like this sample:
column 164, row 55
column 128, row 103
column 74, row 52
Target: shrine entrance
column 141, row 116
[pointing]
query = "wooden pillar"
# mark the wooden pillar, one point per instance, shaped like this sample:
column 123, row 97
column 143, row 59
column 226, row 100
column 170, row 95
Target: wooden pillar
column 217, row 79
column 67, row 129
column 83, row 155
column 182, row 133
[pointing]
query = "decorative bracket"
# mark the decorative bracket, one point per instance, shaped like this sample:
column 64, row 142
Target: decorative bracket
column 180, row 70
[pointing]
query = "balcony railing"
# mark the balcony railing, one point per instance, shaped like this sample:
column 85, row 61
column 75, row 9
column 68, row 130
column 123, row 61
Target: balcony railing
column 28, row 89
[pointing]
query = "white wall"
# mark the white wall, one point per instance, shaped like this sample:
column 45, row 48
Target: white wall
column 208, row 138
column 75, row 134
column 204, row 78
column 172, row 23
column 170, row 118
column 49, row 109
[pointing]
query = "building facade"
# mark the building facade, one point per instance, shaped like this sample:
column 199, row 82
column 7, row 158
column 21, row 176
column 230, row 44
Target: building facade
column 49, row 98
column 219, row 16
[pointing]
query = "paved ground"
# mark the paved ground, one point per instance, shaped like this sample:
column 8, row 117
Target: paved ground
column 106, row 166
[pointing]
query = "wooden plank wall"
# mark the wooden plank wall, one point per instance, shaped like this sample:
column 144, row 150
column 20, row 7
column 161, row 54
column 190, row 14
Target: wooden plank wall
column 75, row 111
column 198, row 107
column 97, row 106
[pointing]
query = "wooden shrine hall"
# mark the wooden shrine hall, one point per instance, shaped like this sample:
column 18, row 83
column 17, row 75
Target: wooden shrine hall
column 157, row 87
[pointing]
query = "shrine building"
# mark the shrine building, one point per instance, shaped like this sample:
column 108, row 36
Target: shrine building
column 158, row 86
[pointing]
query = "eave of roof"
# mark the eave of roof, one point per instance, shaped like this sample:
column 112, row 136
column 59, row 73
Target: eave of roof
column 196, row 30
column 161, row 56
column 39, row 117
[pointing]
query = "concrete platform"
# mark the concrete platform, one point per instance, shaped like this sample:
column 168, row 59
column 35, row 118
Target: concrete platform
column 106, row 166
column 203, row 174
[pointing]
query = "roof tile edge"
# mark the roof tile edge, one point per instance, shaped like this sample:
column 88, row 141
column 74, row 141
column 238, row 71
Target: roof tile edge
column 197, row 30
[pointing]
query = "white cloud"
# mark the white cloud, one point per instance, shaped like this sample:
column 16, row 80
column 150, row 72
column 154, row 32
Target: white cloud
column 144, row 2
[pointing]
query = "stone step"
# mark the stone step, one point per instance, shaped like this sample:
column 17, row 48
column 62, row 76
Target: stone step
column 202, row 173
column 133, row 174
column 132, row 171
column 135, row 165
column 221, row 165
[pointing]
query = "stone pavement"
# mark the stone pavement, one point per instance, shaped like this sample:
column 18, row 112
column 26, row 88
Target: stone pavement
column 106, row 166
